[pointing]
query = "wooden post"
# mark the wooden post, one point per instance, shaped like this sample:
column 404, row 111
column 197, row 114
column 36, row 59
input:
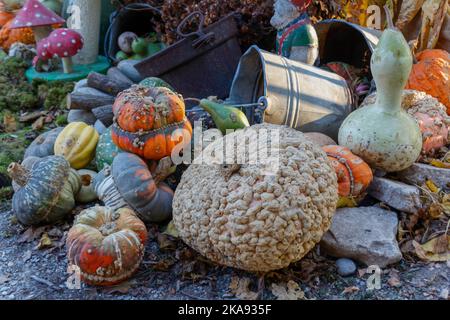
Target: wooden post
column 85, row 18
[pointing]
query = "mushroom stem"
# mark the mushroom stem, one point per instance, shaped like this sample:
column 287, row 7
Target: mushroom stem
column 41, row 32
column 18, row 173
column 67, row 65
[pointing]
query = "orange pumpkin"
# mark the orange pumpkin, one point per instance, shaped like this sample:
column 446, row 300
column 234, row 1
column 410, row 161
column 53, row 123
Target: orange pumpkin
column 106, row 245
column 354, row 175
column 5, row 17
column 146, row 118
column 431, row 74
column 10, row 36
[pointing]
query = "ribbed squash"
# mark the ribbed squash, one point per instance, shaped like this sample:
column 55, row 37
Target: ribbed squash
column 46, row 191
column 10, row 36
column 146, row 118
column 431, row 74
column 107, row 245
column 77, row 143
column 354, row 175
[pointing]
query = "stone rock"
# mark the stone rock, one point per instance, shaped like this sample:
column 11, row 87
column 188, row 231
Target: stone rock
column 364, row 234
column 345, row 267
column 81, row 116
column 80, row 84
column 23, row 51
column 91, row 91
column 128, row 69
column 100, row 127
column 418, row 173
column 396, row 194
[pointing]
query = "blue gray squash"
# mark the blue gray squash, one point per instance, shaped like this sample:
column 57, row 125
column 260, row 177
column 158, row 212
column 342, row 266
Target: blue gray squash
column 46, row 193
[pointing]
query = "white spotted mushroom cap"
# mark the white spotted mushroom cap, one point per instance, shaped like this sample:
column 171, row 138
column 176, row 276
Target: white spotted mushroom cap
column 35, row 14
column 42, row 50
column 65, row 43
column 237, row 216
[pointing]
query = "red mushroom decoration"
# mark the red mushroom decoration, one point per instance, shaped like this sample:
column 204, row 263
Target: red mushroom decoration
column 64, row 43
column 43, row 54
column 38, row 17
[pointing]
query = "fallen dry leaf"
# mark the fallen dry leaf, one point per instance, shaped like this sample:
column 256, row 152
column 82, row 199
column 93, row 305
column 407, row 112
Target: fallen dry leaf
column 239, row 287
column 432, row 186
column 435, row 211
column 288, row 291
column 38, row 124
column 9, row 122
column 439, row 164
column 394, row 278
column 27, row 117
column 433, row 14
column 350, row 290
column 347, row 202
column 408, row 11
column 429, row 251
column 171, row 230
column 165, row 243
column 45, row 242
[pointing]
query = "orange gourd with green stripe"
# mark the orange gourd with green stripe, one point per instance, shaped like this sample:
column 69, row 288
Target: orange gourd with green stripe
column 354, row 175
column 146, row 118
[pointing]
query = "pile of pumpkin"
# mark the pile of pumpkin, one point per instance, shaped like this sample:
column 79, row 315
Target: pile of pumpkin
column 106, row 243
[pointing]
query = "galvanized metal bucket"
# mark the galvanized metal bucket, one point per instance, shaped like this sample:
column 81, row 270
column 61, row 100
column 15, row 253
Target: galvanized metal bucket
column 294, row 94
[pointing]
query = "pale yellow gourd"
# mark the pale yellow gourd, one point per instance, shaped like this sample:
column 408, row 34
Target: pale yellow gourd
column 77, row 143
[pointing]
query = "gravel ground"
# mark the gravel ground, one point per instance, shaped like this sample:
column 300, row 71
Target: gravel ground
column 171, row 270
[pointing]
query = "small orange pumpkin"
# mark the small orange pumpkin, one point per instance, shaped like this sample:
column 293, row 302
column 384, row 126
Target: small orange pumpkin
column 146, row 118
column 10, row 36
column 106, row 244
column 431, row 74
column 354, row 175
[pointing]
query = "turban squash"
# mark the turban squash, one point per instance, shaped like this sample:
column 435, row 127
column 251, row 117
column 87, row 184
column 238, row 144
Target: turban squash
column 431, row 74
column 46, row 193
column 354, row 175
column 146, row 118
column 130, row 182
column 77, row 143
column 106, row 244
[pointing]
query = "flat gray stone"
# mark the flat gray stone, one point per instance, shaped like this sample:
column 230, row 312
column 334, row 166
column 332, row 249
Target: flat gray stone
column 81, row 116
column 91, row 91
column 397, row 195
column 418, row 173
column 128, row 69
column 364, row 234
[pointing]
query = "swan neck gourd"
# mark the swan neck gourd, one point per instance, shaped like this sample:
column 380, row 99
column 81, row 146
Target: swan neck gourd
column 391, row 65
column 383, row 134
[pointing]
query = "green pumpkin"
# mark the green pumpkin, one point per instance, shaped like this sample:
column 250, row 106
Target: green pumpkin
column 47, row 190
column 155, row 82
column 106, row 150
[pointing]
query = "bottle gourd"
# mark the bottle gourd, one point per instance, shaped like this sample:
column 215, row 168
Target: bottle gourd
column 383, row 134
